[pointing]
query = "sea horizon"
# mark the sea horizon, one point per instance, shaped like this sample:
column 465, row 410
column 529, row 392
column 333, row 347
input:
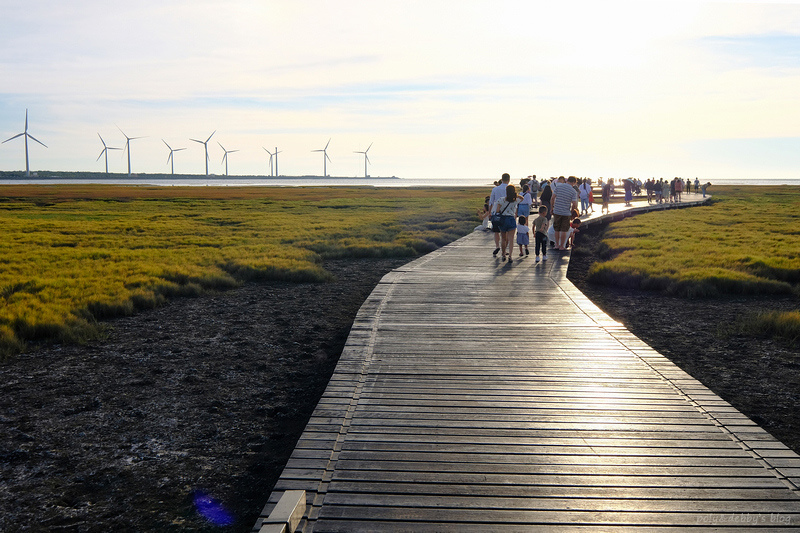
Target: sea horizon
column 166, row 180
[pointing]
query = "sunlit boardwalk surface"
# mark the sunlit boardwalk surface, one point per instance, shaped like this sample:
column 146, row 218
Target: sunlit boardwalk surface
column 474, row 395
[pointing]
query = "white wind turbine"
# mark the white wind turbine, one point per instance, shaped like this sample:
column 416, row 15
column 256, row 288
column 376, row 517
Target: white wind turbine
column 271, row 156
column 225, row 157
column 366, row 159
column 128, row 147
column 325, row 159
column 171, row 158
column 205, row 145
column 27, row 135
column 104, row 152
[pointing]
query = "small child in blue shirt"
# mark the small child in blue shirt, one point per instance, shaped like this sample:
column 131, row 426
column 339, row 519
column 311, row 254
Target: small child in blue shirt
column 523, row 235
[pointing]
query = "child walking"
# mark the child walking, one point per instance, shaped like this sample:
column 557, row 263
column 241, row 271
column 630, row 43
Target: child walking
column 540, row 226
column 523, row 237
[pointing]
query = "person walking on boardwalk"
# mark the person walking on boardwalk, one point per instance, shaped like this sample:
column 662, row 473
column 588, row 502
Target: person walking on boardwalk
column 627, row 184
column 524, row 208
column 565, row 199
column 585, row 189
column 534, row 185
column 523, row 234
column 540, row 227
column 606, row 194
column 546, row 197
column 507, row 209
column 497, row 193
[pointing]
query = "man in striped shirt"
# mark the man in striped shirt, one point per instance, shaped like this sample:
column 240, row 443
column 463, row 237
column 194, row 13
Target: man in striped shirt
column 565, row 198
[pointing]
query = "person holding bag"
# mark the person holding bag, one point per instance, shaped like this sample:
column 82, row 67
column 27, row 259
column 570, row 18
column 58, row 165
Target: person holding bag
column 507, row 209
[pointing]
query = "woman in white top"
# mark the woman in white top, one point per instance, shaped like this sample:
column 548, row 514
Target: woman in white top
column 585, row 189
column 507, row 209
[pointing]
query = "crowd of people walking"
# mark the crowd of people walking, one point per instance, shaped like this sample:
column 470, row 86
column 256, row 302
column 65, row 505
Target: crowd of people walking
column 507, row 210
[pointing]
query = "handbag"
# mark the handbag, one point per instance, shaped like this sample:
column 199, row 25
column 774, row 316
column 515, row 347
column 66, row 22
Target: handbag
column 495, row 218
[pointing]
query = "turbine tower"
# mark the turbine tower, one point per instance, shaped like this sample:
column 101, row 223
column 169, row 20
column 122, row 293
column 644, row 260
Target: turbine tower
column 171, row 158
column 205, row 145
column 325, row 159
column 105, row 152
column 128, row 147
column 27, row 135
column 225, row 157
column 366, row 159
column 271, row 156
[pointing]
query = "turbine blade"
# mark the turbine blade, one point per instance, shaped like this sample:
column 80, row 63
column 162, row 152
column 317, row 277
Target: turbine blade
column 169, row 156
column 329, row 142
column 212, row 134
column 367, row 157
column 368, row 147
column 220, row 145
column 101, row 155
column 195, row 140
column 178, row 149
column 231, row 151
column 14, row 137
column 329, row 159
column 35, row 139
column 122, row 132
column 26, row 121
column 165, row 142
column 101, row 139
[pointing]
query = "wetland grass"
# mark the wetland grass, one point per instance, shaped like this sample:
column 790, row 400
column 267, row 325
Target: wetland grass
column 746, row 241
column 75, row 254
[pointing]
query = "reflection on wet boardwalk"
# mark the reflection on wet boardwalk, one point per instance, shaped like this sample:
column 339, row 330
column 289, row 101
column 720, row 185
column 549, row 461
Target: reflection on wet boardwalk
column 474, row 395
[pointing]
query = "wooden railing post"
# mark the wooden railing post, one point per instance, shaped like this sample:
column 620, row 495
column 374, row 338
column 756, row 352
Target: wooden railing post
column 286, row 515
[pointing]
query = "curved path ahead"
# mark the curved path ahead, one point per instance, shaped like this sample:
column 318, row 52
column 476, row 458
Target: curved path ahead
column 441, row 418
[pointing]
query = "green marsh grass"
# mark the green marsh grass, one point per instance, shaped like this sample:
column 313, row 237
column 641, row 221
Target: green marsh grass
column 71, row 255
column 747, row 241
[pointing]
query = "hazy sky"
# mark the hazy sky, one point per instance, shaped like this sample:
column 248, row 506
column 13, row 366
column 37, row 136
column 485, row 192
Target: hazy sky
column 443, row 89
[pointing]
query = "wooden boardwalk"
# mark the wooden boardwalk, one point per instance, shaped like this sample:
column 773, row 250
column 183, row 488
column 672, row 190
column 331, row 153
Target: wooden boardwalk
column 473, row 395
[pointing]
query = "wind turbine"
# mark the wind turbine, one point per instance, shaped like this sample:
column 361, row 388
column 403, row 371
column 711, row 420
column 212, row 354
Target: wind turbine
column 366, row 159
column 128, row 147
column 325, row 159
column 225, row 157
column 205, row 144
column 271, row 156
column 171, row 158
column 105, row 151
column 27, row 135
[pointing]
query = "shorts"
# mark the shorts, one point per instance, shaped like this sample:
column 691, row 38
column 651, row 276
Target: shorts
column 560, row 222
column 507, row 223
column 524, row 210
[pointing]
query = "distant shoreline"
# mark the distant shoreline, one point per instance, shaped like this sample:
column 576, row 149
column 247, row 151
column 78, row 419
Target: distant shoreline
column 19, row 176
